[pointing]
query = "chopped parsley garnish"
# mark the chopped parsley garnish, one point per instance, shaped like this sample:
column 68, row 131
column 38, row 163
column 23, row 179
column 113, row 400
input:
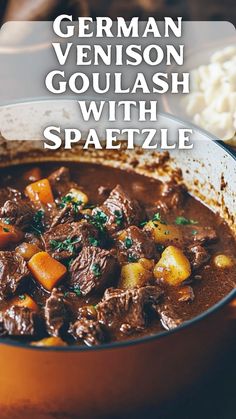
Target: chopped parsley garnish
column 184, row 221
column 96, row 269
column 6, row 230
column 194, row 232
column 67, row 244
column 7, row 221
column 22, row 297
column 98, row 220
column 77, row 291
column 128, row 242
column 157, row 217
column 100, row 217
column 93, row 241
column 118, row 217
column 70, row 199
column 132, row 258
column 160, row 247
column 37, row 224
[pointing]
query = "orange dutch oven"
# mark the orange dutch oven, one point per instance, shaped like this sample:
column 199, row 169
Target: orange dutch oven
column 123, row 377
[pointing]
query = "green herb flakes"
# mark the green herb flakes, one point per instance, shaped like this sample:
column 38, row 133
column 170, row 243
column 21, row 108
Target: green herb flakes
column 96, row 269
column 77, row 291
column 93, row 241
column 128, row 242
column 118, row 217
column 157, row 217
column 98, row 219
column 70, row 199
column 37, row 225
column 67, row 244
column 184, row 221
column 132, row 258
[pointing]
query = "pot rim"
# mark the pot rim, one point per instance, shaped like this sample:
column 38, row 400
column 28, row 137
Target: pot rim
column 148, row 338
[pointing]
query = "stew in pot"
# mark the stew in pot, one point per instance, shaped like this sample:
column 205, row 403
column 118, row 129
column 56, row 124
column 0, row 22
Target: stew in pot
column 92, row 254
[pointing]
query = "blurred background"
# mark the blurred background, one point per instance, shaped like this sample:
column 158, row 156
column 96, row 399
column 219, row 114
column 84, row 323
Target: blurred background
column 188, row 9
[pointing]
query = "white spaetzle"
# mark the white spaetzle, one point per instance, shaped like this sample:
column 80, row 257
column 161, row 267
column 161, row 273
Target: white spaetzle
column 212, row 101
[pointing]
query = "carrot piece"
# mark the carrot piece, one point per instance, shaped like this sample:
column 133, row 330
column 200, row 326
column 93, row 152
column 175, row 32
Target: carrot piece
column 33, row 175
column 24, row 300
column 46, row 270
column 51, row 341
column 40, row 191
column 9, row 235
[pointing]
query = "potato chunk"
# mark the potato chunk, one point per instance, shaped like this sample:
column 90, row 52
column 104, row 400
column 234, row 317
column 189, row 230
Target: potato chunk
column 78, row 196
column 164, row 233
column 133, row 275
column 173, row 267
column 27, row 250
column 223, row 261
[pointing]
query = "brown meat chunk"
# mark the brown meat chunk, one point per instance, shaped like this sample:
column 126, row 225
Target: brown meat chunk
column 56, row 313
column 104, row 191
column 60, row 181
column 19, row 321
column 172, row 197
column 91, row 332
column 174, row 192
column 61, row 175
column 133, row 244
column 201, row 235
column 66, row 240
column 13, row 270
column 88, row 312
column 169, row 318
column 19, row 213
column 186, row 294
column 126, row 310
column 9, row 194
column 93, row 269
column 197, row 256
column 68, row 214
column 119, row 210
column 33, row 238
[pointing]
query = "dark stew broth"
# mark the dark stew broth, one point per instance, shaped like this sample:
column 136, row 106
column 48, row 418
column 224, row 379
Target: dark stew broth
column 91, row 254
